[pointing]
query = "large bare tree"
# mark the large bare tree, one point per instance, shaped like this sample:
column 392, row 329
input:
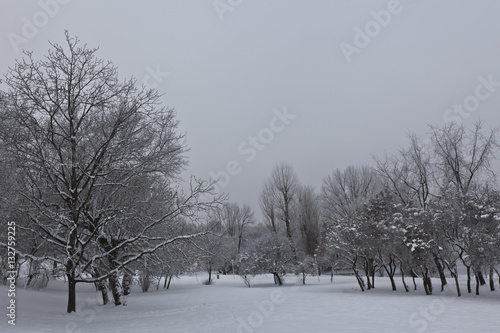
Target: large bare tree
column 284, row 184
column 92, row 151
column 308, row 214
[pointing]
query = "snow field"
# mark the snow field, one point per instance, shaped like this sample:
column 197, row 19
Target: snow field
column 230, row 306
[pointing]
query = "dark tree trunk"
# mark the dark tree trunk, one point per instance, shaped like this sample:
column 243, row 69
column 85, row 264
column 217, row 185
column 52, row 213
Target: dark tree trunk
column 358, row 278
column 469, row 289
column 277, row 279
column 403, row 280
column 391, row 271
column 71, row 294
column 440, row 269
column 116, row 289
column 455, row 276
column 367, row 273
column 169, row 280
column 393, row 284
column 159, row 281
column 126, row 283
column 427, row 282
column 492, row 283
column 477, row 283
column 413, row 276
column 481, row 278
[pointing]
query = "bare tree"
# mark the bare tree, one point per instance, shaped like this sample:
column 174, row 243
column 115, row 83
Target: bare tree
column 345, row 192
column 308, row 218
column 463, row 154
column 84, row 143
column 269, row 205
column 236, row 219
column 410, row 172
column 285, row 182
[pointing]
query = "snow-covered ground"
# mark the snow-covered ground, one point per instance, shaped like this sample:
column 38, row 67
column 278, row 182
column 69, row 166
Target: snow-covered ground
column 230, row 306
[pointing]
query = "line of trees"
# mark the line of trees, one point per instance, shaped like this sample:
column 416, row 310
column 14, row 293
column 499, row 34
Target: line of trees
column 91, row 176
column 422, row 212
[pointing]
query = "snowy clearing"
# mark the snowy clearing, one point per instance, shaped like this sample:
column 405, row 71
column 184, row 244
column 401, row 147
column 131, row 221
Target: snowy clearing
column 230, row 306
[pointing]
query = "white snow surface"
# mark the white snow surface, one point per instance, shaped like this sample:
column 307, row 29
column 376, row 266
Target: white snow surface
column 230, row 306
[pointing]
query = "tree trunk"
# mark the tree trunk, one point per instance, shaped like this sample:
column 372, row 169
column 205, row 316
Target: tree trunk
column 367, row 273
column 104, row 292
column 126, row 283
column 169, row 279
column 492, row 283
column 159, row 281
column 116, row 289
column 469, row 289
column 455, row 276
column 391, row 272
column 481, row 279
column 393, row 284
column 358, row 278
column 101, row 286
column 427, row 282
column 477, row 282
column 414, row 275
column 440, row 269
column 278, row 279
column 403, row 279
column 71, row 294
column 370, row 273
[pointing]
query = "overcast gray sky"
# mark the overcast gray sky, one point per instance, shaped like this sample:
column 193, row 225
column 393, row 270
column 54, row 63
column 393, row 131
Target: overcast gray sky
column 319, row 84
